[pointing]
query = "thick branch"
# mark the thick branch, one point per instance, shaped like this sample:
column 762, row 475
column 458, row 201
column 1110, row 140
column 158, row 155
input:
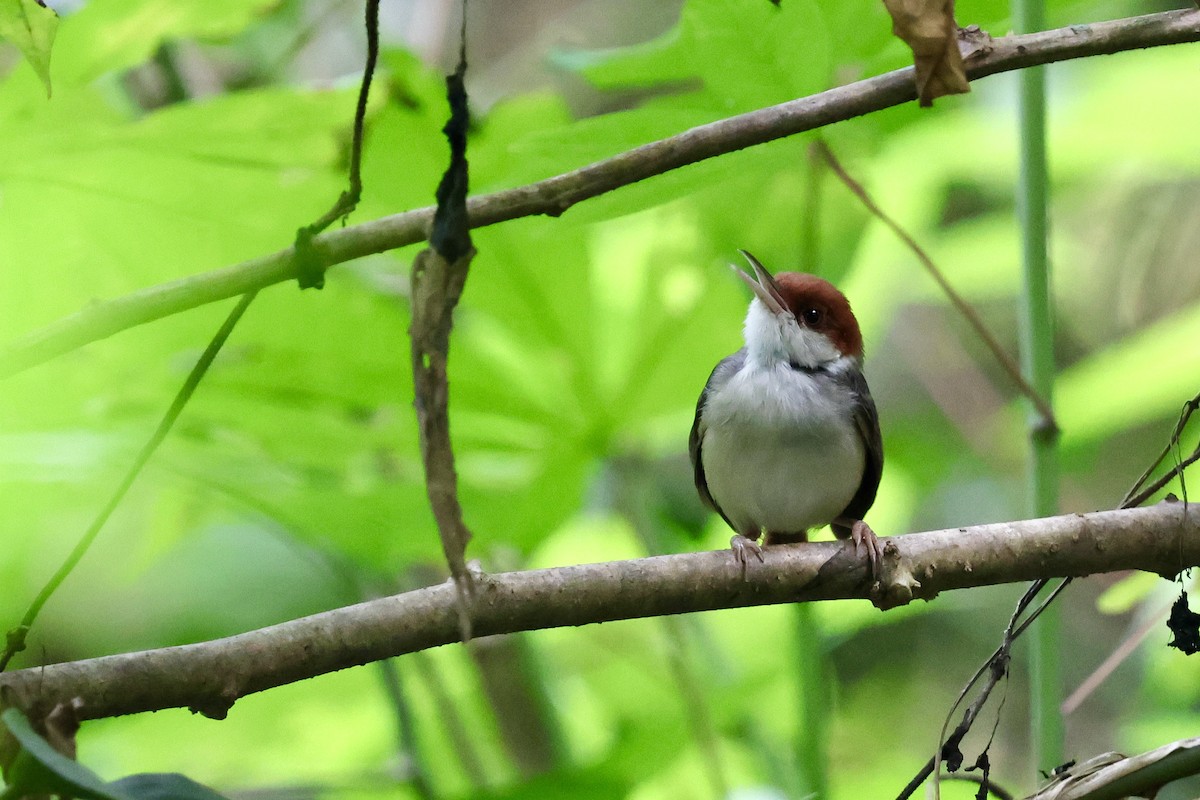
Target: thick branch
column 208, row 677
column 555, row 195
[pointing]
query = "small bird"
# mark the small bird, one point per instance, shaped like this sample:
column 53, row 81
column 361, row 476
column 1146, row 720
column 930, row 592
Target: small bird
column 786, row 436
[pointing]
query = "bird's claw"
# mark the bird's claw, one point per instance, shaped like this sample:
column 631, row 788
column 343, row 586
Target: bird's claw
column 865, row 538
column 743, row 547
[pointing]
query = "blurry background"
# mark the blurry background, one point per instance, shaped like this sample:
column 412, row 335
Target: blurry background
column 186, row 136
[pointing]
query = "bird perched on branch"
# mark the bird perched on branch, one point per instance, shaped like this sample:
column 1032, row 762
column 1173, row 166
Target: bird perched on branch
column 786, row 436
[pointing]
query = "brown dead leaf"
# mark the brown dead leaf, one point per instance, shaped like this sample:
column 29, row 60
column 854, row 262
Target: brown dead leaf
column 928, row 27
column 62, row 723
column 1142, row 774
column 974, row 42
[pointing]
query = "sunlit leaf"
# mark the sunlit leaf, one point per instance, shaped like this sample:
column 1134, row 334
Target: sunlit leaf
column 182, row 180
column 31, row 26
column 1122, row 596
column 1145, row 377
column 745, row 50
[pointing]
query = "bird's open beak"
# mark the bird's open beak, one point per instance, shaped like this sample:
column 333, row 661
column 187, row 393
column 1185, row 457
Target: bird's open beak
column 763, row 285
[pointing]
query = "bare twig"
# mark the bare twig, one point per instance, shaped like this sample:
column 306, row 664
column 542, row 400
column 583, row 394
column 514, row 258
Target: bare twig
column 436, row 288
column 997, row 664
column 996, row 669
column 210, row 676
column 438, row 276
column 1137, row 494
column 1114, row 660
column 992, row 788
column 555, row 195
column 310, row 270
column 1006, row 361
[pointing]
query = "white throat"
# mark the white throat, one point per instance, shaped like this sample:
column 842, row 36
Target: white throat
column 777, row 338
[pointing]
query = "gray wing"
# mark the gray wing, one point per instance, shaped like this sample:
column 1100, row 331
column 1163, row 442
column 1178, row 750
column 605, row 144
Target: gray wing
column 726, row 368
column 866, row 419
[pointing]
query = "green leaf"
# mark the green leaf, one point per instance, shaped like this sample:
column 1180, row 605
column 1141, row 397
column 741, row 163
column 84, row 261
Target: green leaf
column 40, row 769
column 744, row 54
column 1126, row 384
column 201, row 181
column 1122, row 596
column 164, row 786
column 30, row 26
column 649, row 63
column 117, row 34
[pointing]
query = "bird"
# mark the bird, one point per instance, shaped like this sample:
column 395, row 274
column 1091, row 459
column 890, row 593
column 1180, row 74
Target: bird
column 786, row 436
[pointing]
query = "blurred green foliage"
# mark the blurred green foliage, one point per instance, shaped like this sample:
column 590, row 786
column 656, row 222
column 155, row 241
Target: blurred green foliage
column 293, row 482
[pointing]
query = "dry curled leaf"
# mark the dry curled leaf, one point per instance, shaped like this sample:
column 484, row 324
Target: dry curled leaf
column 928, row 27
column 1184, row 625
column 62, row 723
column 974, row 42
column 1113, row 775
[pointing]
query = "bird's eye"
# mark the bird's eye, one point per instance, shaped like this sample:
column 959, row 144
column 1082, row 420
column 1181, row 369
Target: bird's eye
column 811, row 316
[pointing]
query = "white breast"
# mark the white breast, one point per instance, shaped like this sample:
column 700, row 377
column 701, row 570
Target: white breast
column 781, row 450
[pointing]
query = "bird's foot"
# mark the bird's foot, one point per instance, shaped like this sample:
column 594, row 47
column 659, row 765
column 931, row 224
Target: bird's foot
column 743, row 548
column 865, row 539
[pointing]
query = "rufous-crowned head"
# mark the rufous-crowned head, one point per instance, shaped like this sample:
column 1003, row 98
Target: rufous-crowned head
column 799, row 316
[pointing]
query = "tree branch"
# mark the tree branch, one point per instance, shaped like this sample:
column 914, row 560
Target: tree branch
column 208, row 677
column 439, row 273
column 555, row 195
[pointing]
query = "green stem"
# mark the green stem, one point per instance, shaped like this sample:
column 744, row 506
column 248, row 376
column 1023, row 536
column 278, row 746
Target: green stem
column 812, row 737
column 1037, row 356
column 17, row 636
column 634, row 499
column 406, row 729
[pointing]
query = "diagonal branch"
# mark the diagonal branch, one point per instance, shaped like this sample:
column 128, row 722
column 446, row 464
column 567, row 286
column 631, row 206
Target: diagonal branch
column 209, row 677
column 16, row 636
column 1006, row 361
column 344, row 205
column 1140, row 492
column 555, row 195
